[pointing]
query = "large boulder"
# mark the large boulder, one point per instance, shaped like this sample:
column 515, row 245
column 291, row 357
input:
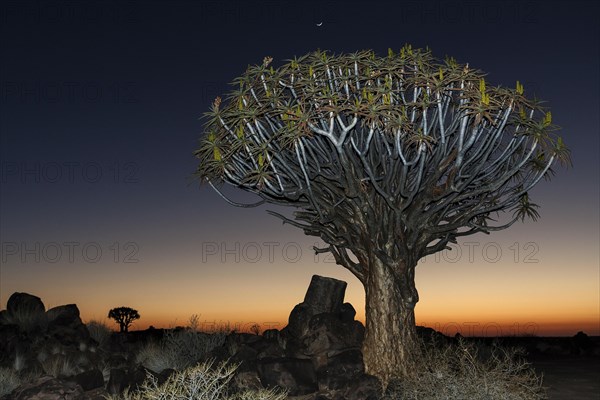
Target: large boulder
column 64, row 324
column 21, row 303
column 340, row 370
column 317, row 355
column 347, row 312
column 298, row 320
column 324, row 295
column 89, row 380
column 26, row 311
column 327, row 334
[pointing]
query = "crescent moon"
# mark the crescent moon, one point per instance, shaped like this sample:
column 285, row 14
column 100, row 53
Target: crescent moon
column 319, row 24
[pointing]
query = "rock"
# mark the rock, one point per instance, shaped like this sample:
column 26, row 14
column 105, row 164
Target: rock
column 244, row 355
column 245, row 380
column 48, row 388
column 340, row 370
column 347, row 312
column 328, row 334
column 9, row 340
column 298, row 320
column 89, row 380
column 325, row 294
column 64, row 315
column 117, row 382
column 581, row 343
column 121, row 378
column 96, row 394
column 66, row 326
column 218, row 354
column 365, row 387
column 234, row 341
column 271, row 334
column 138, row 375
column 246, row 375
column 296, row 375
column 26, row 311
column 431, row 336
column 24, row 303
column 269, row 349
column 320, row 348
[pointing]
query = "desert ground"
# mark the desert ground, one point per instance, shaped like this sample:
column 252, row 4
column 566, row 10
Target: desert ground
column 569, row 377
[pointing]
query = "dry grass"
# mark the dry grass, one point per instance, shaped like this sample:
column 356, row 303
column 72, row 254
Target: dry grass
column 199, row 382
column 466, row 370
column 27, row 319
column 179, row 349
column 99, row 331
column 9, row 380
column 59, row 365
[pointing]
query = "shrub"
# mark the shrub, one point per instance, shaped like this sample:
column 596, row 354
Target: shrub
column 179, row 349
column 156, row 357
column 467, row 371
column 199, row 382
column 27, row 319
column 59, row 365
column 99, row 331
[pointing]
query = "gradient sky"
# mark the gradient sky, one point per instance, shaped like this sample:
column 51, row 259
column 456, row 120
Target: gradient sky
column 100, row 108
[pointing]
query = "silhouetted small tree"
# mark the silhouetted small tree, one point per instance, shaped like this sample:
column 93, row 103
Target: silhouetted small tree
column 124, row 316
column 255, row 329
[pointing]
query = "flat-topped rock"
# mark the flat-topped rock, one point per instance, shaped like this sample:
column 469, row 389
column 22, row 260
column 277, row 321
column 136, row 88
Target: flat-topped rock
column 325, row 294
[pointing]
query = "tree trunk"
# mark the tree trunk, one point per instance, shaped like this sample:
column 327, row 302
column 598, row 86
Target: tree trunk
column 390, row 346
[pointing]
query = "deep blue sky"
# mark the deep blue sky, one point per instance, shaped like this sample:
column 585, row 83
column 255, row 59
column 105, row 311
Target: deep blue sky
column 100, row 107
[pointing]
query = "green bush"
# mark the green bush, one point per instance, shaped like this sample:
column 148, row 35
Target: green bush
column 468, row 371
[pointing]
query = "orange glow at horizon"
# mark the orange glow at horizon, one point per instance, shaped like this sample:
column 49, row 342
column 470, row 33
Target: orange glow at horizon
column 548, row 290
column 466, row 327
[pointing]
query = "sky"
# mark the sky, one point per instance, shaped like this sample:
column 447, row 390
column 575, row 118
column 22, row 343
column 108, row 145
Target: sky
column 100, row 107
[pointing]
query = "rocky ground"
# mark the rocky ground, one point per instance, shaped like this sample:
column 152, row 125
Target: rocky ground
column 316, row 356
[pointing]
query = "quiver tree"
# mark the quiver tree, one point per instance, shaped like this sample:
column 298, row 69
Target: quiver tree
column 387, row 159
column 124, row 316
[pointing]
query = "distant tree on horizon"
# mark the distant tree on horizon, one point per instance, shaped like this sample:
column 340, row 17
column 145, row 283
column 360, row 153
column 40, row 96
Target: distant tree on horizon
column 255, row 328
column 124, row 316
column 386, row 159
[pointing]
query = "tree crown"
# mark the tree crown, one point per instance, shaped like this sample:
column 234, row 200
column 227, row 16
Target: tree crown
column 341, row 135
column 124, row 316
